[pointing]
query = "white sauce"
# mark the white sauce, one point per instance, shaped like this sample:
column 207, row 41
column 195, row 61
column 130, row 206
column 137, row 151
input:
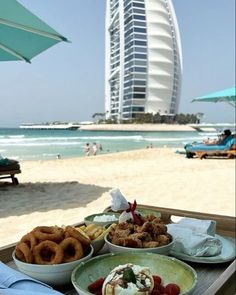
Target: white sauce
column 104, row 218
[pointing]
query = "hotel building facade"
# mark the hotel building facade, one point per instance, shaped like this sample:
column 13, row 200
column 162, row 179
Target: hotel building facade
column 143, row 58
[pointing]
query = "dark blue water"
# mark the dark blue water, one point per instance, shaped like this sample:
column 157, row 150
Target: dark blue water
column 25, row 144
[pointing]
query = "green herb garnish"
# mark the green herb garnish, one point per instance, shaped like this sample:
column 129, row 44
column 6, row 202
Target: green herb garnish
column 129, row 276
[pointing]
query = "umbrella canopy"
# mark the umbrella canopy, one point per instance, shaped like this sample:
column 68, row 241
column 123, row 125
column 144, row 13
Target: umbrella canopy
column 226, row 95
column 22, row 34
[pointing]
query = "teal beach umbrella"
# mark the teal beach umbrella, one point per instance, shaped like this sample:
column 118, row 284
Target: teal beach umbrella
column 226, row 95
column 22, row 34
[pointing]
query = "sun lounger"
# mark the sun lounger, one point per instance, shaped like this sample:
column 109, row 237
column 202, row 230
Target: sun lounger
column 231, row 153
column 228, row 149
column 8, row 169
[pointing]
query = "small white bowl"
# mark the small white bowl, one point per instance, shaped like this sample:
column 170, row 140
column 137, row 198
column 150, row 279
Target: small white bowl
column 164, row 250
column 90, row 219
column 55, row 274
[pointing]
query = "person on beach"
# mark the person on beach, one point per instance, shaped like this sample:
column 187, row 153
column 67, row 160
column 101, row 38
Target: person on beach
column 100, row 147
column 221, row 138
column 87, row 149
column 95, row 148
column 149, row 146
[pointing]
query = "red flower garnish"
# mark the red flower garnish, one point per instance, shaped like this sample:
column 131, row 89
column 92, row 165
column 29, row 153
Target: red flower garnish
column 136, row 217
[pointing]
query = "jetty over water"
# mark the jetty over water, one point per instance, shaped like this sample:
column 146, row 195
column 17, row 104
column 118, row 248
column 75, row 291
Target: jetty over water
column 213, row 127
column 50, row 126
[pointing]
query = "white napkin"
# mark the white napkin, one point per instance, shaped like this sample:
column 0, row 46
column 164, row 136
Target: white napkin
column 13, row 282
column 118, row 203
column 199, row 225
column 191, row 237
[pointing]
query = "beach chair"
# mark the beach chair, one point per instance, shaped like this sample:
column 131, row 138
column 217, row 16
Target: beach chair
column 228, row 149
column 8, row 169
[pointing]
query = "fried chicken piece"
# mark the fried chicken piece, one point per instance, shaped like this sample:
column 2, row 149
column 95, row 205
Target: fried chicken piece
column 131, row 242
column 151, row 218
column 159, row 229
column 119, row 234
column 147, row 227
column 124, row 225
column 143, row 236
column 127, row 242
column 151, row 244
column 157, row 220
column 163, row 240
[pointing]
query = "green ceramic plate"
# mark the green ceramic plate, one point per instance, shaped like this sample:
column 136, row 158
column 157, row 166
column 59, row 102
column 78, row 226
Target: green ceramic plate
column 171, row 270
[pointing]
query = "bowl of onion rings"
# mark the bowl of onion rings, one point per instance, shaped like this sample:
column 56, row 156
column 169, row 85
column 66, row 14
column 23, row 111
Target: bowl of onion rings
column 49, row 254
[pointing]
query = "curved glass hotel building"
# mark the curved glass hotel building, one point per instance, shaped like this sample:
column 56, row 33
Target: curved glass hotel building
column 143, row 58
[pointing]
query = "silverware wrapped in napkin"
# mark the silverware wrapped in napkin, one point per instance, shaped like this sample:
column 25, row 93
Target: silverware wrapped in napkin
column 195, row 237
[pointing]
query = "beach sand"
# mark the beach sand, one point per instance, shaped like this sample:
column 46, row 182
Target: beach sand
column 64, row 191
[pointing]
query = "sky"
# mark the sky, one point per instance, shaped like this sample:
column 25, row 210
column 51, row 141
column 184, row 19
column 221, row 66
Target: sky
column 66, row 82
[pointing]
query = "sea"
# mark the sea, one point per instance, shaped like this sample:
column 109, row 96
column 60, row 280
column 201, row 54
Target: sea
column 24, row 144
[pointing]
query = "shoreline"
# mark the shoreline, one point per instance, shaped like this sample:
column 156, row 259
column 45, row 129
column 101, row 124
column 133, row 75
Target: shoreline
column 136, row 127
column 62, row 192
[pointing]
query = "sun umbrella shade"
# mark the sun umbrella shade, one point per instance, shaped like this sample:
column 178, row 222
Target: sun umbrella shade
column 22, row 34
column 226, row 95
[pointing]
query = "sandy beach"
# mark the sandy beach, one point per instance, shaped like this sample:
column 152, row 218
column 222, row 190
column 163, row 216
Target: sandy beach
column 64, row 191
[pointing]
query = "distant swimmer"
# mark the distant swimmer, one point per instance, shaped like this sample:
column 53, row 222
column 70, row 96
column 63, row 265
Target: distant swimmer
column 87, row 149
column 100, row 147
column 95, row 148
column 150, row 146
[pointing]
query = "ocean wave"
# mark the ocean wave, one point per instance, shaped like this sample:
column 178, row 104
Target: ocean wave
column 40, row 144
column 49, row 155
column 206, row 134
column 180, row 139
column 113, row 137
column 16, row 136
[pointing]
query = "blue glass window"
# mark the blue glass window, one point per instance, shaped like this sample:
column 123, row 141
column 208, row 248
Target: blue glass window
column 138, row 5
column 140, row 30
column 139, row 24
column 140, row 56
column 138, row 109
column 141, row 11
column 141, row 17
column 141, row 43
column 139, row 89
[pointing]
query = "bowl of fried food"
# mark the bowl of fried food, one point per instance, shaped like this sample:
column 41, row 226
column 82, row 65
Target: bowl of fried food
column 50, row 253
column 102, row 219
column 150, row 236
column 134, row 273
column 96, row 233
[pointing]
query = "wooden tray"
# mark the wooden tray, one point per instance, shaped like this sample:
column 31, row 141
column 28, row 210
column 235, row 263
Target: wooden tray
column 212, row 278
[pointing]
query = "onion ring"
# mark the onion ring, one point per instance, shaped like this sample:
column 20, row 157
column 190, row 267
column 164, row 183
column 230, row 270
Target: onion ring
column 78, row 234
column 48, row 252
column 23, row 253
column 51, row 233
column 72, row 249
column 30, row 240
